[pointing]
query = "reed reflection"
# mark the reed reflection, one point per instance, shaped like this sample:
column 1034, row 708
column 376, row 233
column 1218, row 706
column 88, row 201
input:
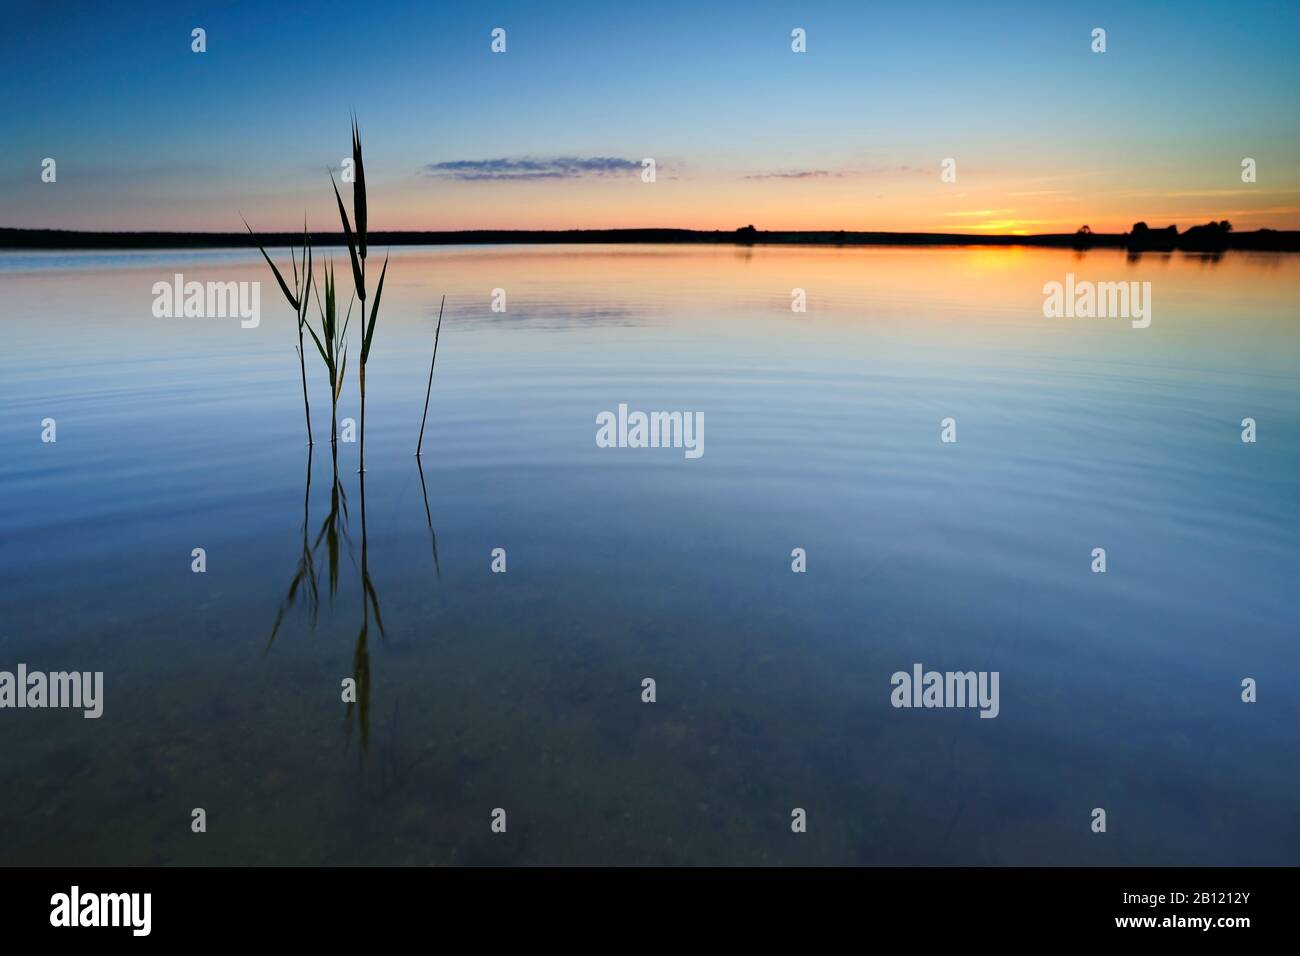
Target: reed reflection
column 305, row 572
column 324, row 554
column 428, row 517
column 361, row 655
column 334, row 538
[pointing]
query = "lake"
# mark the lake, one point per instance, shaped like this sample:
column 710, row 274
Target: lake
column 522, row 690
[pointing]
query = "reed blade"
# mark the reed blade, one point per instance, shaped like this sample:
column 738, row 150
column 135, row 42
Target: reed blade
column 320, row 348
column 359, row 189
column 374, row 315
column 352, row 242
column 284, row 287
column 347, row 319
column 308, row 281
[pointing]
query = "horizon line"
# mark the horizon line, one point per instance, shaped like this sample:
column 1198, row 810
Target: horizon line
column 1202, row 238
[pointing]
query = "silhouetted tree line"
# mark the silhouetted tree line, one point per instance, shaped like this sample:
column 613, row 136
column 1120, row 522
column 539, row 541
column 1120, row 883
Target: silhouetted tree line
column 1210, row 237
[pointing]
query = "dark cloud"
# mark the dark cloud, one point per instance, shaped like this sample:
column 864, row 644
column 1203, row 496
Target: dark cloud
column 530, row 167
column 873, row 172
column 794, row 174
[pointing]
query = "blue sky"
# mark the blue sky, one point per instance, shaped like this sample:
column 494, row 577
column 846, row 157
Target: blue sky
column 148, row 134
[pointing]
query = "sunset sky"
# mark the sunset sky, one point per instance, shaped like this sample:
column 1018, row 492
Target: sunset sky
column 1047, row 135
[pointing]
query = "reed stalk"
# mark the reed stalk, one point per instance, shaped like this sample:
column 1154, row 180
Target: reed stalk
column 332, row 345
column 302, row 282
column 419, row 445
column 356, row 240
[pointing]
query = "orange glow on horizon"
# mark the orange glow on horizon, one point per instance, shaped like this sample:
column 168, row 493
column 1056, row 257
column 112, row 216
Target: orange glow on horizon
column 978, row 204
column 913, row 204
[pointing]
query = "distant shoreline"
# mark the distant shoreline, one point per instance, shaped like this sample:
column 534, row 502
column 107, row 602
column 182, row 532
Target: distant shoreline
column 60, row 239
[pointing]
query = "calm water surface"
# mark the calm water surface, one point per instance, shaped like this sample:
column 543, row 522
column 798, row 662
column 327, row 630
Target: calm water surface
column 522, row 690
